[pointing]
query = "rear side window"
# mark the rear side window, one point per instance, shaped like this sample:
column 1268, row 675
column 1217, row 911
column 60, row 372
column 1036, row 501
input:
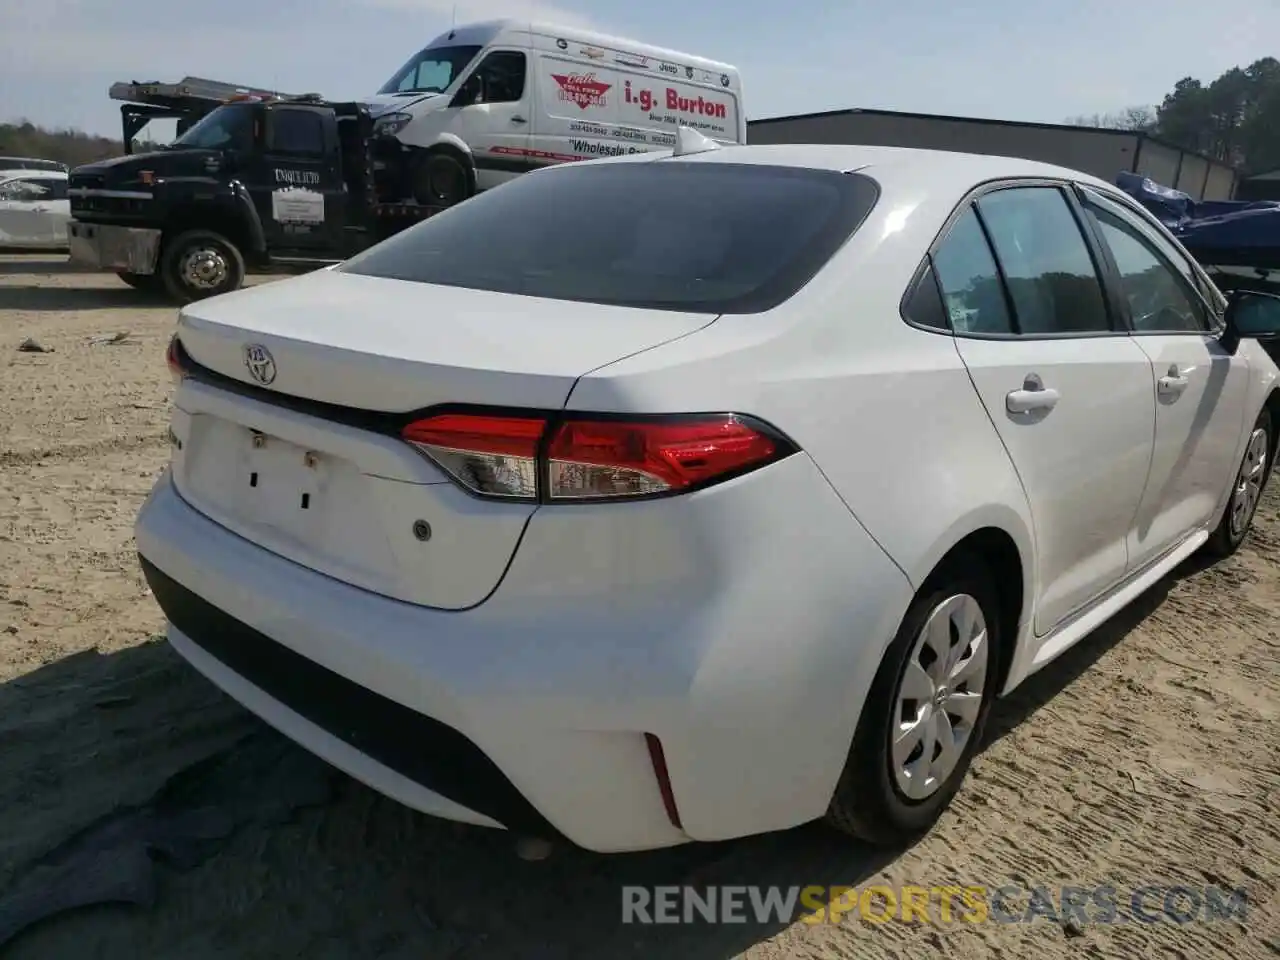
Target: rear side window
column 924, row 306
column 670, row 235
column 1050, row 273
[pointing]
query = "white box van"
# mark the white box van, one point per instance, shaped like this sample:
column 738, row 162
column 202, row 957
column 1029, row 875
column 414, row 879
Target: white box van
column 488, row 101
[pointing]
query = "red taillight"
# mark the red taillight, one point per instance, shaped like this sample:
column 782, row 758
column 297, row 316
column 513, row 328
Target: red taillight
column 618, row 459
column 173, row 359
column 532, row 458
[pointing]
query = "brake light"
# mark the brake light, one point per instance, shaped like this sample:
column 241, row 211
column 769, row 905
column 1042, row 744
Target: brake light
column 584, row 459
column 619, row 459
column 173, row 359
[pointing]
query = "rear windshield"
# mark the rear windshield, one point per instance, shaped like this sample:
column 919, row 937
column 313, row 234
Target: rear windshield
column 700, row 237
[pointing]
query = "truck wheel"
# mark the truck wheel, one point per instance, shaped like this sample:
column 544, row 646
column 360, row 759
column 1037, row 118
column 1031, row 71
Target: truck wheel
column 146, row 282
column 200, row 263
column 441, row 178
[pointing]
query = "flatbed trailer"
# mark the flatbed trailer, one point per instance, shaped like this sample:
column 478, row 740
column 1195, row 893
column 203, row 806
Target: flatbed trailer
column 186, row 101
column 256, row 180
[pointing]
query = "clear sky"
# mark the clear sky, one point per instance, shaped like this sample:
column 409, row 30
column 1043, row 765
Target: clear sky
column 1014, row 59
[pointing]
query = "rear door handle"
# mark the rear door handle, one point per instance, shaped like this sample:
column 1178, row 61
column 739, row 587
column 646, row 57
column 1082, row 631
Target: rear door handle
column 1034, row 395
column 518, row 119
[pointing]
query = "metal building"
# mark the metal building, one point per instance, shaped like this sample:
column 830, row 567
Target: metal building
column 1261, row 186
column 1101, row 152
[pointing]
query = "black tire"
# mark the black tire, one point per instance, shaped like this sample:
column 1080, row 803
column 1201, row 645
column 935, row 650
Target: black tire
column 868, row 802
column 442, row 178
column 1237, row 516
column 146, row 282
column 179, row 276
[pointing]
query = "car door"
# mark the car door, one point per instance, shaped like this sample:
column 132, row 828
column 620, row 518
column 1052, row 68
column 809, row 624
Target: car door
column 1200, row 388
column 24, row 208
column 491, row 114
column 1069, row 393
column 297, row 182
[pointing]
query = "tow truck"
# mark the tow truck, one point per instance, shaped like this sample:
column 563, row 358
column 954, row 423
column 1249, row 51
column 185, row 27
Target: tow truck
column 256, row 180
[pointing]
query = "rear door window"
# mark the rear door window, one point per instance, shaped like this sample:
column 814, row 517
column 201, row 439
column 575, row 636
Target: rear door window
column 1051, row 276
column 677, row 235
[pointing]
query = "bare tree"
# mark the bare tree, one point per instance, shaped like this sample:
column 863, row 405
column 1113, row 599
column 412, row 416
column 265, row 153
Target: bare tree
column 1130, row 118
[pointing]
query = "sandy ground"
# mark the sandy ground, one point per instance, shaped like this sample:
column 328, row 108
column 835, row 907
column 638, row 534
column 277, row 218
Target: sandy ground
column 1147, row 756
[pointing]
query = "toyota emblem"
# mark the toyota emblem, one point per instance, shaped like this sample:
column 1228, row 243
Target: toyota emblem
column 262, row 366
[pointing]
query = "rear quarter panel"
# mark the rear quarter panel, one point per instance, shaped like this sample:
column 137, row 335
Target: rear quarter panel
column 887, row 411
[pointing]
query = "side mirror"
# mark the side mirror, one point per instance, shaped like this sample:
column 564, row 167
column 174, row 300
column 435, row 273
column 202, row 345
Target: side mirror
column 467, row 93
column 1253, row 314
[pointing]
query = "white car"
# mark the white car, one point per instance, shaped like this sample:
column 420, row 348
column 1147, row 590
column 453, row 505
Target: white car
column 674, row 498
column 34, row 209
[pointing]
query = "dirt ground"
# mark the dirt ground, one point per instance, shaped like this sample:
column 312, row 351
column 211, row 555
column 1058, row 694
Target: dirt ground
column 1148, row 755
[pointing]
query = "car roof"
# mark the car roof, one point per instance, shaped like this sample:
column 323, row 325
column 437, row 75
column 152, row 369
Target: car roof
column 485, row 31
column 890, row 166
column 17, row 173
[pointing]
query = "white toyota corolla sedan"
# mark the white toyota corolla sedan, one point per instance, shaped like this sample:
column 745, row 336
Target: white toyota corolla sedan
column 686, row 497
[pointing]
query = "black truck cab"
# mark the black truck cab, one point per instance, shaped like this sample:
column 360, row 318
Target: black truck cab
column 253, row 183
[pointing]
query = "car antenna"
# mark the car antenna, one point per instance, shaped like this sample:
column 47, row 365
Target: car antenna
column 689, row 140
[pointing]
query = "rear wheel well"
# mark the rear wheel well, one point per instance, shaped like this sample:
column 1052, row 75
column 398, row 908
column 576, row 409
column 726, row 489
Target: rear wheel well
column 995, row 548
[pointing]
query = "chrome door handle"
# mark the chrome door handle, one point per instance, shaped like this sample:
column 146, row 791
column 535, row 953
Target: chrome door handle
column 1034, row 395
column 39, row 209
column 518, row 119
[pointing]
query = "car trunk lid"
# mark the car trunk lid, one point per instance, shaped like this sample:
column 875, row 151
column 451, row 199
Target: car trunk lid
column 287, row 432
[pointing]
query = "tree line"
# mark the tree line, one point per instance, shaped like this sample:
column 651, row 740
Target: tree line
column 1235, row 118
column 72, row 147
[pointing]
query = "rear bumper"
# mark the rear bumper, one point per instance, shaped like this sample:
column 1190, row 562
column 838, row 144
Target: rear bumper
column 113, row 247
column 530, row 710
